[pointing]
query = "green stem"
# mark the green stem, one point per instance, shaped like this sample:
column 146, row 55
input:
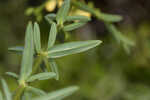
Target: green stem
column 36, row 64
column 19, row 92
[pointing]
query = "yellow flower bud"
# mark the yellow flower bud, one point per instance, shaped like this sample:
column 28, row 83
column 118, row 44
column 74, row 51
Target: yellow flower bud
column 83, row 13
column 50, row 5
column 60, row 2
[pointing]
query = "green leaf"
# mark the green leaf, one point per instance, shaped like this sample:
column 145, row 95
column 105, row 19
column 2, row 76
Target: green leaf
column 118, row 35
column 50, row 18
column 83, row 6
column 27, row 96
column 73, row 26
column 126, row 42
column 6, row 90
column 54, row 68
column 41, row 76
column 78, row 18
column 109, row 17
column 63, row 12
column 12, row 74
column 1, row 96
column 52, row 35
column 72, row 48
column 27, row 59
column 59, row 94
column 17, row 49
column 37, row 39
column 35, row 90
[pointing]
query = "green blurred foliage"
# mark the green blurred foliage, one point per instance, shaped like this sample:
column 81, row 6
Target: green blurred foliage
column 105, row 73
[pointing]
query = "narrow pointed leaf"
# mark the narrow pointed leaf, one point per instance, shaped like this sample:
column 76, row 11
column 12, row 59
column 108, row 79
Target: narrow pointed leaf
column 37, row 39
column 17, row 49
column 59, row 94
column 27, row 96
column 83, row 6
column 109, row 17
column 118, row 35
column 35, row 90
column 12, row 75
column 54, row 68
column 41, row 76
column 1, row 96
column 73, row 26
column 63, row 12
column 27, row 59
column 6, row 90
column 50, row 18
column 72, row 48
column 52, row 35
column 78, row 18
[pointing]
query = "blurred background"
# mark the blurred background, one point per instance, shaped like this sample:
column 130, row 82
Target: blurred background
column 106, row 72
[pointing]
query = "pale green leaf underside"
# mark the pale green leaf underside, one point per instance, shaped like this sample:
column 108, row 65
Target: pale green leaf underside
column 36, row 91
column 54, row 68
column 1, row 96
column 60, row 94
column 72, row 48
column 41, row 76
column 50, row 18
column 12, row 74
column 37, row 39
column 63, row 12
column 6, row 90
column 78, row 18
column 52, row 35
column 27, row 59
column 73, row 26
column 17, row 49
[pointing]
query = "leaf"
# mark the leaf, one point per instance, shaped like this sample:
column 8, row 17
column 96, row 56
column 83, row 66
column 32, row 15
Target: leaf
column 35, row 90
column 72, row 48
column 98, row 13
column 73, row 26
column 59, row 94
column 63, row 12
column 17, row 49
column 1, row 96
column 52, row 35
column 83, row 6
column 6, row 90
column 12, row 74
column 54, row 68
column 37, row 39
column 50, row 18
column 78, row 18
column 109, row 17
column 41, row 76
column 126, row 42
column 117, row 34
column 27, row 96
column 27, row 59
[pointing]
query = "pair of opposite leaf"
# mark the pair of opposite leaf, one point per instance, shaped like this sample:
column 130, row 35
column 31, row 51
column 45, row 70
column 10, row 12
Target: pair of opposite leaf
column 26, row 74
column 62, row 19
column 108, row 19
column 56, row 95
column 52, row 52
